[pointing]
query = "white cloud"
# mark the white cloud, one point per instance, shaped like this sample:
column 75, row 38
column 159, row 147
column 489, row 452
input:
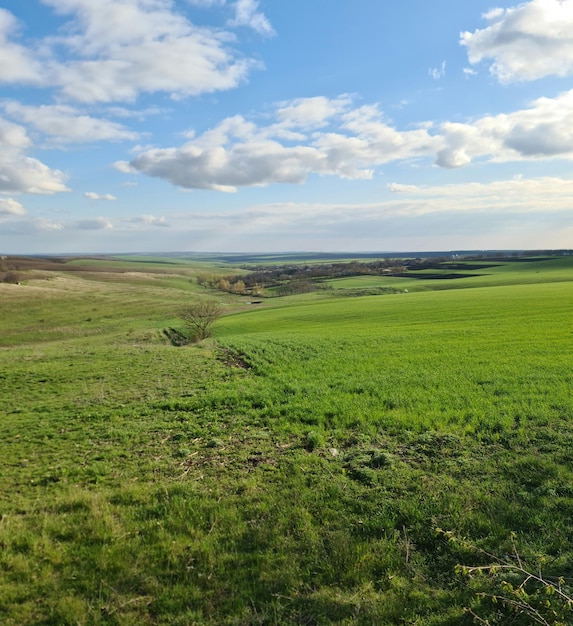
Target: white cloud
column 160, row 51
column 237, row 153
column 512, row 213
column 399, row 188
column 150, row 220
column 311, row 112
column 438, row 72
column 140, row 114
column 9, row 207
column 65, row 124
column 106, row 61
column 517, row 195
column 329, row 137
column 378, row 142
column 26, row 175
column 42, row 224
column 99, row 223
column 512, row 196
column 32, row 226
column 545, row 130
column 206, row 3
column 13, row 138
column 124, row 167
column 17, row 63
column 20, row 173
column 90, row 195
column 247, row 14
column 247, row 164
column 526, row 42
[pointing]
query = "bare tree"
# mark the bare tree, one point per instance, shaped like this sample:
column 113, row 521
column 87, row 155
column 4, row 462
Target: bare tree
column 199, row 318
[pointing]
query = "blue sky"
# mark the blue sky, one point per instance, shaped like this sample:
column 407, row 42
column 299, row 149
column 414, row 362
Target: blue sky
column 274, row 125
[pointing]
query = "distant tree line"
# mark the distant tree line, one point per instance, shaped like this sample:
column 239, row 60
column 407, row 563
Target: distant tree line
column 230, row 284
column 294, row 278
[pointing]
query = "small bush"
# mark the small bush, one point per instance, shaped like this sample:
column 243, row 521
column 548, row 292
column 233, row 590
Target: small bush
column 13, row 278
column 199, row 319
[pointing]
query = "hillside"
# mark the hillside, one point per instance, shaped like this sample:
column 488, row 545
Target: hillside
column 323, row 459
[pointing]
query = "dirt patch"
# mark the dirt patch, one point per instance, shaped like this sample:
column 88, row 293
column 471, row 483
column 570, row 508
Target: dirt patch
column 233, row 359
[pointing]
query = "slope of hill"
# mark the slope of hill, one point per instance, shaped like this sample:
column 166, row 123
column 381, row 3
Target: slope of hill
column 322, row 460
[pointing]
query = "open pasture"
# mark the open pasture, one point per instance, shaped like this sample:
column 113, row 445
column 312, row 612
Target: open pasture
column 482, row 273
column 480, row 359
column 297, row 468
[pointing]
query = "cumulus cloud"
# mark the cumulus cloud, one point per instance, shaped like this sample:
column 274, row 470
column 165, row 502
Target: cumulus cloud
column 247, row 14
column 160, row 51
column 255, row 163
column 65, row 124
column 32, row 226
column 526, row 42
column 91, row 195
column 20, row 173
column 94, row 58
column 311, row 112
column 542, row 131
column 9, row 207
column 17, row 63
column 124, row 167
column 150, row 220
column 13, row 138
column 237, row 152
column 331, row 137
column 99, row 223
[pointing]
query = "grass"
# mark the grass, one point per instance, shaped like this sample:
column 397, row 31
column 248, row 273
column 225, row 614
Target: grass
column 296, row 469
column 536, row 271
column 413, row 360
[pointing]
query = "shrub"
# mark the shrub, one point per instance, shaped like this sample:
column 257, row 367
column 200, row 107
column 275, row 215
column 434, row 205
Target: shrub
column 199, row 318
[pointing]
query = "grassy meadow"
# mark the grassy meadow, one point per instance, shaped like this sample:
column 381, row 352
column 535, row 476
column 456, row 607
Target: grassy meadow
column 323, row 459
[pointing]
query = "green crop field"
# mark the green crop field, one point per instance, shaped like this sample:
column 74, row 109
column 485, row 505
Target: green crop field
column 403, row 458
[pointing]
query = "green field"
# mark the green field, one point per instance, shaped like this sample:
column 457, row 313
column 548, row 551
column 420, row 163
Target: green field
column 323, row 459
